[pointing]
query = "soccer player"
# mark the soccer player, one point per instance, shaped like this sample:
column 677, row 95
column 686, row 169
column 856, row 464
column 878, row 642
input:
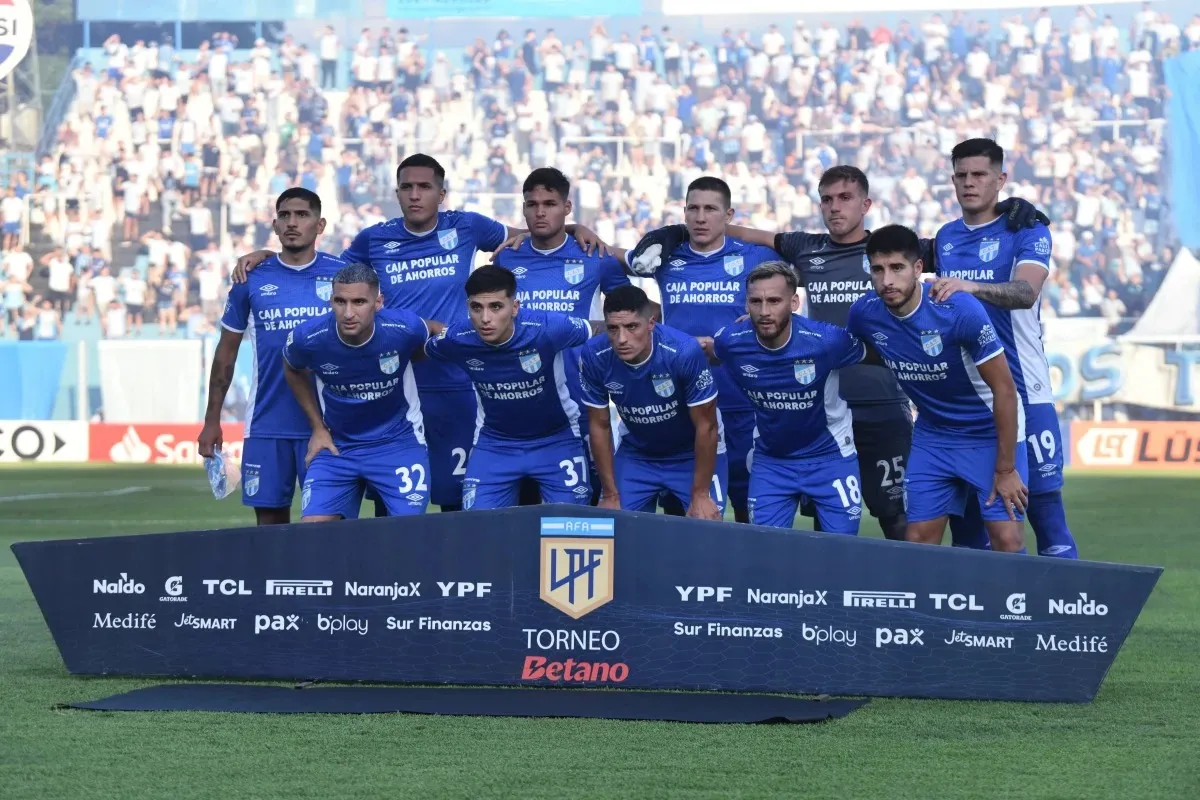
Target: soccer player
column 423, row 259
column 702, row 286
column 1006, row 270
column 366, row 428
column 528, row 425
column 652, row 373
column 555, row 273
column 790, row 368
column 833, row 269
column 948, row 360
column 284, row 292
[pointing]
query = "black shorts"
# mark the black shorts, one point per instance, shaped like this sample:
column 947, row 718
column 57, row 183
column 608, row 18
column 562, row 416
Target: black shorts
column 883, row 441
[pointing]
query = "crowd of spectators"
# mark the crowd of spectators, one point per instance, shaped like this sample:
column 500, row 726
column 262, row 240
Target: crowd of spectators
column 167, row 162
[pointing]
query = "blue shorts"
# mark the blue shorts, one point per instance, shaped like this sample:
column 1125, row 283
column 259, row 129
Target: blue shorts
column 831, row 485
column 496, row 468
column 12, row 227
column 940, row 479
column 449, row 431
column 739, row 441
column 271, row 468
column 641, row 479
column 397, row 470
column 1044, row 448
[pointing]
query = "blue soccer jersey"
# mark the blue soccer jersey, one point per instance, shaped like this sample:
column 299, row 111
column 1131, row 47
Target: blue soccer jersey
column 703, row 292
column 368, row 393
column 265, row 309
column 991, row 253
column 798, row 409
column 425, row 273
column 521, row 384
column 934, row 352
column 653, row 397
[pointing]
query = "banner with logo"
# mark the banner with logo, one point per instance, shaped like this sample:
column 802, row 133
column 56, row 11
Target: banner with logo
column 158, row 380
column 37, row 440
column 530, row 596
column 1082, row 371
column 1136, row 445
column 156, row 444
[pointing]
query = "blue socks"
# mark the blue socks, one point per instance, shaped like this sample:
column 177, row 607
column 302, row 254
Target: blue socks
column 1049, row 520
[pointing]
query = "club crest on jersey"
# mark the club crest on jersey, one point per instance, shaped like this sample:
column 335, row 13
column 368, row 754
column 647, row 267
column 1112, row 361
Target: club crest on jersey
column 931, row 342
column 325, row 288
column 531, row 360
column 573, row 271
column 305, row 494
column 468, row 496
column 251, row 481
column 448, row 239
column 805, row 372
column 989, row 249
column 866, row 264
column 734, row 265
column 389, row 363
column 663, row 385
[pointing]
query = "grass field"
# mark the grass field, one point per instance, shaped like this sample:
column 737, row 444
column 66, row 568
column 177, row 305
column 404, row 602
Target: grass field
column 1139, row 739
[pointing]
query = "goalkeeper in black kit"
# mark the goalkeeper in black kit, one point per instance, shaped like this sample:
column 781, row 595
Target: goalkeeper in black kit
column 834, row 271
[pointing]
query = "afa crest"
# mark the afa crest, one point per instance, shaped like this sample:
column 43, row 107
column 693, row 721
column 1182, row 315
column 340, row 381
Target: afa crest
column 931, row 342
column 573, row 271
column 389, row 363
column 448, row 239
column 805, row 372
column 576, row 563
column 734, row 265
column 989, row 249
column 663, row 385
column 531, row 360
column 324, row 288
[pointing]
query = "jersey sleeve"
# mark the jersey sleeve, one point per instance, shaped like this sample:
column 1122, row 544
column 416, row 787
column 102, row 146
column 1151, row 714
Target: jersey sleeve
column 359, row 251
column 1033, row 246
column 612, row 274
column 295, row 351
column 487, row 232
column 564, row 332
column 797, row 244
column 591, row 381
column 417, row 332
column 237, row 308
column 855, row 324
column 444, row 346
column 696, row 376
column 975, row 332
column 845, row 349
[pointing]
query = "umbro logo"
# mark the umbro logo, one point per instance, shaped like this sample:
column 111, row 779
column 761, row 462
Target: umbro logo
column 750, row 369
column 328, row 368
column 678, row 262
column 390, row 246
column 948, row 247
column 269, row 290
column 474, row 363
column 414, row 497
column 816, row 262
column 614, row 387
column 519, row 271
column 879, row 337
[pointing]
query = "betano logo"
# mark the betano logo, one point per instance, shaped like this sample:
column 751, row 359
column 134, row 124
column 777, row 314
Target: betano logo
column 577, row 563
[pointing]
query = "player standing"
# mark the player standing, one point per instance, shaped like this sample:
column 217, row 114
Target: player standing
column 970, row 423
column 555, row 273
column 790, row 368
column 652, row 373
column 285, row 291
column 528, row 426
column 833, row 269
column 423, row 259
column 1006, row 270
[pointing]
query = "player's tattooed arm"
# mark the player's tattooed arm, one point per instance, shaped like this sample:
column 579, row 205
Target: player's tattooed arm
column 1012, row 294
column 1021, row 292
column 219, row 380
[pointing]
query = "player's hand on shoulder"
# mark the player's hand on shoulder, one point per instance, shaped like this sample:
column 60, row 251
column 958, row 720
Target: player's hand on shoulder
column 1021, row 214
column 591, row 243
column 210, row 439
column 515, row 241
column 943, row 288
column 247, row 263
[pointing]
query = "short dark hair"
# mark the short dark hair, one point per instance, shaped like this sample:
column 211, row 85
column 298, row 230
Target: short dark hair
column 299, row 193
column 422, row 160
column 770, row 269
column 492, row 278
column 845, row 172
column 894, row 239
column 550, row 179
column 978, row 147
column 358, row 272
column 627, row 298
column 708, row 183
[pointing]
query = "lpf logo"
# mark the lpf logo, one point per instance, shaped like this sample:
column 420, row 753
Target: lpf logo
column 16, row 32
column 576, row 564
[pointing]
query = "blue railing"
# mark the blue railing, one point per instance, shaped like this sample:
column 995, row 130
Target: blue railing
column 59, row 105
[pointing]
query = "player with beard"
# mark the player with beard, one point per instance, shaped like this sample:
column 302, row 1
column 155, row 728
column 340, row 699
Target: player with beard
column 423, row 259
column 833, row 269
column 285, row 291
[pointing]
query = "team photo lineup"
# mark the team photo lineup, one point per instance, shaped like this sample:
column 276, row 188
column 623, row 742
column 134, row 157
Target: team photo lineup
column 400, row 373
